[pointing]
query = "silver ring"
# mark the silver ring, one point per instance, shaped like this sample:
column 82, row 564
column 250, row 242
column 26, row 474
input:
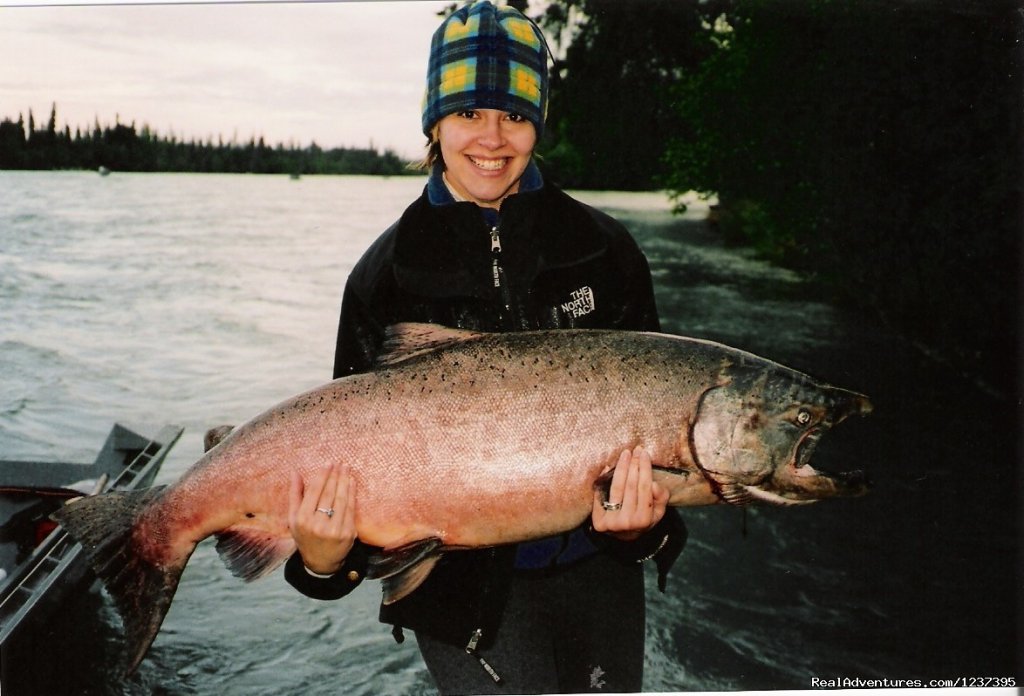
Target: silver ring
column 327, row 511
column 611, row 506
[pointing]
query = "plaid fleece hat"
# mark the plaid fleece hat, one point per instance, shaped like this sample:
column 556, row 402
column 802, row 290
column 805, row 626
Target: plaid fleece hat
column 485, row 57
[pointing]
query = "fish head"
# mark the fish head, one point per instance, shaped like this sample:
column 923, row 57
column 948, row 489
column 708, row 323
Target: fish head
column 755, row 433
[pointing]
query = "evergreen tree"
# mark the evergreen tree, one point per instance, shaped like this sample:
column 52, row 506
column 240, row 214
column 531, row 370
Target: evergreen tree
column 12, row 144
column 612, row 91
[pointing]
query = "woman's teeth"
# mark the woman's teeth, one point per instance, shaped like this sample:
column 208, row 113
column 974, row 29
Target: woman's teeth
column 491, row 165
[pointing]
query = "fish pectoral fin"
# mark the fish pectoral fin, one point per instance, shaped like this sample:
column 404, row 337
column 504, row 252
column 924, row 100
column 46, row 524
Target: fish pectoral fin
column 251, row 553
column 400, row 585
column 404, row 568
column 736, row 494
column 603, row 483
column 398, row 559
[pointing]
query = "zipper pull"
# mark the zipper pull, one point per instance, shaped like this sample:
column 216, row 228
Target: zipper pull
column 473, row 640
column 495, row 241
column 471, row 650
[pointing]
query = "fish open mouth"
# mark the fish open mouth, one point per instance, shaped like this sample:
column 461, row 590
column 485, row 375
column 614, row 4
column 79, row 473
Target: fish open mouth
column 806, row 446
column 816, row 480
column 855, row 405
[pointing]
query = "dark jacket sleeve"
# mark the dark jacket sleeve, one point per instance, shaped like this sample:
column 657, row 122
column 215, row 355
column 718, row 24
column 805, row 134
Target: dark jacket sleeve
column 335, row 587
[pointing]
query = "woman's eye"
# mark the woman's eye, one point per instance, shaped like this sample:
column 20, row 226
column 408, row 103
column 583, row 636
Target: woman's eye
column 516, row 118
column 466, row 114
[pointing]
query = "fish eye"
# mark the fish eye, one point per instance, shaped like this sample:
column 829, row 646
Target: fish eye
column 803, row 417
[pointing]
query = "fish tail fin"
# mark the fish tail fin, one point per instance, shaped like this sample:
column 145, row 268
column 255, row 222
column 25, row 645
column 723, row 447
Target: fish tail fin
column 142, row 590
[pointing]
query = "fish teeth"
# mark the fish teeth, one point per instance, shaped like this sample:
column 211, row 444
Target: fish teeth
column 773, row 498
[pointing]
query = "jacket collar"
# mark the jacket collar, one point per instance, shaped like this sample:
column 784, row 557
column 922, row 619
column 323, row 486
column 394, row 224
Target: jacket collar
column 438, row 193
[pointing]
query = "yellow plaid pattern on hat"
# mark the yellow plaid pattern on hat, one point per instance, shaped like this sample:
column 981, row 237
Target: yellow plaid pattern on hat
column 457, row 77
column 523, row 82
column 522, row 31
column 453, row 31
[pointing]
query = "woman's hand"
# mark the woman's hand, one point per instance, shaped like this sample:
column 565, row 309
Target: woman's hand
column 323, row 539
column 642, row 500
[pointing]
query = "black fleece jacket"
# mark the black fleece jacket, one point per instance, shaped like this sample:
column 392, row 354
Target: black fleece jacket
column 561, row 264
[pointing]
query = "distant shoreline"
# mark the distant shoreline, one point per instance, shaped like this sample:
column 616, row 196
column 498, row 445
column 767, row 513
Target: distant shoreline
column 122, row 147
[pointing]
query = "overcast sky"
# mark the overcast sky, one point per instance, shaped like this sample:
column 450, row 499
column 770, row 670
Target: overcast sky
column 343, row 74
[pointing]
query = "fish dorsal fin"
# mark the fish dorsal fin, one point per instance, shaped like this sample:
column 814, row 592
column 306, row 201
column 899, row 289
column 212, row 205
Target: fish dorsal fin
column 408, row 340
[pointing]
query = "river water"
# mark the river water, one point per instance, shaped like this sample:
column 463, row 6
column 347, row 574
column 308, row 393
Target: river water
column 203, row 299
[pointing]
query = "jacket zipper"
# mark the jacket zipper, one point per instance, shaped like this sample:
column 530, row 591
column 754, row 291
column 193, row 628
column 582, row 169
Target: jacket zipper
column 500, row 280
column 496, row 270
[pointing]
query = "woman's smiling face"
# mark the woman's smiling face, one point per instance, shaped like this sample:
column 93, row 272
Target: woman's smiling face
column 485, row 153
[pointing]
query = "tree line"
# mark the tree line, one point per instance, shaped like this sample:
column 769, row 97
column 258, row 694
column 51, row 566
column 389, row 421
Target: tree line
column 875, row 146
column 124, row 148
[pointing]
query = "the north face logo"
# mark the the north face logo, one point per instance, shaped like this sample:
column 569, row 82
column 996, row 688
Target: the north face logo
column 582, row 302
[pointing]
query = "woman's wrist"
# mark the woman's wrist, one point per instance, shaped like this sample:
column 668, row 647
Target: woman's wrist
column 323, row 573
column 322, row 576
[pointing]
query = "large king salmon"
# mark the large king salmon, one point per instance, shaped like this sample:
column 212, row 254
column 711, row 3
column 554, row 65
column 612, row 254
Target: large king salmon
column 466, row 440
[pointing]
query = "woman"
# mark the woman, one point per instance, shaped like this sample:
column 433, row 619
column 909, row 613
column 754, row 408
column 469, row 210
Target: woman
column 490, row 246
